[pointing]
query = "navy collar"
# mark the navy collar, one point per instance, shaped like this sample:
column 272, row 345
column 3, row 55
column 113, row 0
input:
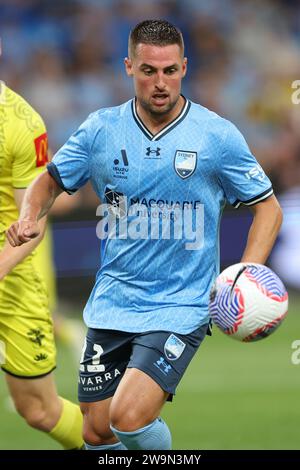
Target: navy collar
column 165, row 129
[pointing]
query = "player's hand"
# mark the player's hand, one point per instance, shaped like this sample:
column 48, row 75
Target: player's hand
column 22, row 232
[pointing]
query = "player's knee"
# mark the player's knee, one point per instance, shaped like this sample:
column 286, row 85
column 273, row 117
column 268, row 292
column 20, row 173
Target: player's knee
column 126, row 421
column 94, row 439
column 96, row 432
column 37, row 413
column 35, row 416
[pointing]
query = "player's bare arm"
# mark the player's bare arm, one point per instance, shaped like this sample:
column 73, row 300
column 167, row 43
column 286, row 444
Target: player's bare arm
column 266, row 223
column 9, row 256
column 37, row 201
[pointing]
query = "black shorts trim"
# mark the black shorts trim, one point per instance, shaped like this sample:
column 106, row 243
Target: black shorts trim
column 28, row 377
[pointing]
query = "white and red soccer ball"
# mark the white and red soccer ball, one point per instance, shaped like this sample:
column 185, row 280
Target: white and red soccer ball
column 248, row 302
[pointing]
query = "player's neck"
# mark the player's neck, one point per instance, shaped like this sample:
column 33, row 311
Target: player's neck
column 156, row 122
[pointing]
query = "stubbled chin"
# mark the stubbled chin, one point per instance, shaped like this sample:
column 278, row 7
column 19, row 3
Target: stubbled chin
column 160, row 109
column 150, row 107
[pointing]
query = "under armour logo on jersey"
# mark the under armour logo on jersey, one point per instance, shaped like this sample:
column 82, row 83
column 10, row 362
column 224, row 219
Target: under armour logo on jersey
column 149, row 151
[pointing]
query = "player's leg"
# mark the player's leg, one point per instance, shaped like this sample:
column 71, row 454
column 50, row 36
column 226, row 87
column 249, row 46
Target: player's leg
column 36, row 400
column 97, row 434
column 28, row 363
column 157, row 364
column 135, row 410
column 104, row 360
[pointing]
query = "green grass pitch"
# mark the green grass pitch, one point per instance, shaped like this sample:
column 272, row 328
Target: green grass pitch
column 233, row 396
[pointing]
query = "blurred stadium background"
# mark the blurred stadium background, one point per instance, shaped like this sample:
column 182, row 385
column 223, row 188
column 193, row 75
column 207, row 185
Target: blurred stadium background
column 66, row 58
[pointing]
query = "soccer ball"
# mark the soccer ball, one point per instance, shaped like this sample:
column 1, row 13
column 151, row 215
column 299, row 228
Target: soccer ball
column 248, row 302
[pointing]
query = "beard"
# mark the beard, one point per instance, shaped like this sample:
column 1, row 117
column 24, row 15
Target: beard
column 158, row 111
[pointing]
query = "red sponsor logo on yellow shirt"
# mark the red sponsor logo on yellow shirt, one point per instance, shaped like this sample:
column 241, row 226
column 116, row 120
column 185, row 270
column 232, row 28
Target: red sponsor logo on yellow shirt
column 41, row 149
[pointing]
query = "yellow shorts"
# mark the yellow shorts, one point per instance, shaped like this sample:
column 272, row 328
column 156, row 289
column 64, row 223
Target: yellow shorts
column 26, row 329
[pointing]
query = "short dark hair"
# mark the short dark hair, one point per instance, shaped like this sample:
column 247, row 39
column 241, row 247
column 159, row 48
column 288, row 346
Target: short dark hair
column 155, row 32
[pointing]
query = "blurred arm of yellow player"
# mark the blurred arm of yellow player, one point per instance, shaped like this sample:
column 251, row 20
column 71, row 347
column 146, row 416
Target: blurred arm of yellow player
column 11, row 256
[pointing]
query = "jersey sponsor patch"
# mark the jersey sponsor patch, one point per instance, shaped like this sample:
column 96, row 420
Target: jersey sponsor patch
column 174, row 347
column 41, row 149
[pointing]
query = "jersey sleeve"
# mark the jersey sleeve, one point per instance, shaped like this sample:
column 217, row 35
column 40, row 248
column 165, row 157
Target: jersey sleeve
column 70, row 166
column 242, row 178
column 29, row 149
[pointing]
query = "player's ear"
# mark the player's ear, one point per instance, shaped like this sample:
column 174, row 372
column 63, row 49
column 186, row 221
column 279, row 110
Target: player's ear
column 128, row 66
column 184, row 67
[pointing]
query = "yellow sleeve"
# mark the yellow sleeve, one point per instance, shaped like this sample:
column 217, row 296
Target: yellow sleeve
column 29, row 146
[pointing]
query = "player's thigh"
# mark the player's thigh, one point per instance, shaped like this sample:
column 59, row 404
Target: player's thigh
column 137, row 402
column 36, row 400
column 29, row 393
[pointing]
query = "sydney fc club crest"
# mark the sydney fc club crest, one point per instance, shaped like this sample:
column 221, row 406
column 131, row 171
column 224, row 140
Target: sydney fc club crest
column 185, row 163
column 174, row 347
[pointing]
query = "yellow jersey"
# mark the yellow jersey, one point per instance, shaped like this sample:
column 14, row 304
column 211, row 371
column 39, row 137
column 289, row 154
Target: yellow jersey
column 23, row 151
column 26, row 327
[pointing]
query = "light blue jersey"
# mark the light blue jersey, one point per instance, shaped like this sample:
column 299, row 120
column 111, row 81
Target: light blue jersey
column 163, row 198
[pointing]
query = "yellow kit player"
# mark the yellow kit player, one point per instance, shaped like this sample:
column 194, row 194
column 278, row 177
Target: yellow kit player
column 26, row 330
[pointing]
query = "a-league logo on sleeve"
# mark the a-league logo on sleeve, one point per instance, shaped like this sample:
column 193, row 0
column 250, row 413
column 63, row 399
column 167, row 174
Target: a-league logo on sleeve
column 41, row 149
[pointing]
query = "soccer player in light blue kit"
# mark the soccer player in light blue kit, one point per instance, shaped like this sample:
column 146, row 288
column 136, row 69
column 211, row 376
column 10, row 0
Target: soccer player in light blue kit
column 163, row 168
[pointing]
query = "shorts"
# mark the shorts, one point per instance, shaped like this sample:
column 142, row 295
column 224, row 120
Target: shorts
column 26, row 329
column 162, row 355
